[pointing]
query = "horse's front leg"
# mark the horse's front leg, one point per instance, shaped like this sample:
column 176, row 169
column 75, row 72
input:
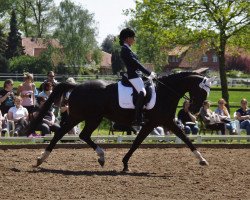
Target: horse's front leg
column 144, row 132
column 180, row 133
column 58, row 135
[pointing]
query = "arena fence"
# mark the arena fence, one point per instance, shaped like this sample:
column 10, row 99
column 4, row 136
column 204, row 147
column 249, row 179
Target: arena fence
column 198, row 139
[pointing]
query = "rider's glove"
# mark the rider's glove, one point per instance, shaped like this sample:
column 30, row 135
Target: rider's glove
column 153, row 75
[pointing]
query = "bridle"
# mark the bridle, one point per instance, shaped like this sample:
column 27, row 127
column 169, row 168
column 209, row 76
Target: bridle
column 173, row 91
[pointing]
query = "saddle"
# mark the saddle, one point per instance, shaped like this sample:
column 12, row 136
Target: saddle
column 147, row 83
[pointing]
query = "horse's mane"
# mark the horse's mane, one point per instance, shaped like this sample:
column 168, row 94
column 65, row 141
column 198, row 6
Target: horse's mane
column 173, row 77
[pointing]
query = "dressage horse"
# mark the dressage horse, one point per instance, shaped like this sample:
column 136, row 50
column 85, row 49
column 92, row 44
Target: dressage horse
column 93, row 100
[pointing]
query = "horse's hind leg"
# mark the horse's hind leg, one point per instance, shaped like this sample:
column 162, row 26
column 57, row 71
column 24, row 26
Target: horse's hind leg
column 90, row 126
column 180, row 133
column 58, row 135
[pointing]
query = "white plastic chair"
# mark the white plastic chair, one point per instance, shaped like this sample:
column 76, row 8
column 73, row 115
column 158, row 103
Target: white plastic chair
column 238, row 129
column 10, row 126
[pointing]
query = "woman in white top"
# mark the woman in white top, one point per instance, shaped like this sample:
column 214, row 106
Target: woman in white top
column 224, row 115
column 19, row 115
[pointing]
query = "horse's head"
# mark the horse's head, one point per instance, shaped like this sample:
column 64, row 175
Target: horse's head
column 199, row 92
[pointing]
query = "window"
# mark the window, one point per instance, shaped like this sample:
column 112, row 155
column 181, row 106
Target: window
column 215, row 58
column 204, row 58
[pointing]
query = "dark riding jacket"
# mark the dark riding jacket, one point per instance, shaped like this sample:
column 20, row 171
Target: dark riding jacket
column 132, row 63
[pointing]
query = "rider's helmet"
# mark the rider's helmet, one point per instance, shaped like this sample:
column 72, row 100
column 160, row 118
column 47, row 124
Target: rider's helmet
column 125, row 33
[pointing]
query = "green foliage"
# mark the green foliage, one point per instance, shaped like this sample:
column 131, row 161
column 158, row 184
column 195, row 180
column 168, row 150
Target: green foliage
column 116, row 61
column 107, row 44
column 161, row 24
column 2, row 41
column 14, row 40
column 76, row 33
column 4, row 64
column 30, row 64
column 237, row 74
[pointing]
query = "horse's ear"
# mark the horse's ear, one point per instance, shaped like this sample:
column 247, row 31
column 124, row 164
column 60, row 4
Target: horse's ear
column 210, row 81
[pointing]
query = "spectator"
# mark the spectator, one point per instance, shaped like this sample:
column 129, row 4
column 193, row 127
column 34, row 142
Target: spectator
column 6, row 102
column 27, row 91
column 224, row 115
column 48, row 123
column 210, row 120
column 243, row 115
column 6, row 96
column 51, row 79
column 64, row 108
column 187, row 119
column 19, row 115
column 1, row 123
column 46, row 91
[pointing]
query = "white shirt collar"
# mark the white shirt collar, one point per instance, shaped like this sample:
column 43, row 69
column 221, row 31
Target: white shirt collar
column 125, row 44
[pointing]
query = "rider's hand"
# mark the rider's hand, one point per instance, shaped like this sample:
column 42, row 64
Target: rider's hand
column 153, row 75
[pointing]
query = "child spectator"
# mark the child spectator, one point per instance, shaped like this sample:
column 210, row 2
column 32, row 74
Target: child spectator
column 19, row 115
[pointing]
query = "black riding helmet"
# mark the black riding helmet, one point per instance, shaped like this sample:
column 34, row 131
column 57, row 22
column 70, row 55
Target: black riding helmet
column 125, row 33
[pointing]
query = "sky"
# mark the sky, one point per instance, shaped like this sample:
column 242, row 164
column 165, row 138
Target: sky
column 108, row 14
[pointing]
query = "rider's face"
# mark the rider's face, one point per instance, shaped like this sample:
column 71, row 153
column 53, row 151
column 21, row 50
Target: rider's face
column 130, row 41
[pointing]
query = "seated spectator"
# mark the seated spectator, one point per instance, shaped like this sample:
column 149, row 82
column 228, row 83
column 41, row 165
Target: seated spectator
column 6, row 101
column 48, row 123
column 46, row 91
column 27, row 91
column 51, row 79
column 210, row 120
column 187, row 119
column 6, row 96
column 19, row 115
column 224, row 115
column 243, row 115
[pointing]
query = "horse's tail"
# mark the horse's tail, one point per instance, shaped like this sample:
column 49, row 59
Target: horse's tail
column 56, row 94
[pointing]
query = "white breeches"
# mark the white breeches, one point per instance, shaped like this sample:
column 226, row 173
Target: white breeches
column 138, row 85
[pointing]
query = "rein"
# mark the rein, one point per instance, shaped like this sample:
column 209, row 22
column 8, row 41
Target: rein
column 176, row 93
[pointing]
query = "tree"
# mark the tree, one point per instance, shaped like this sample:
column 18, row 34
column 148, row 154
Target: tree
column 14, row 40
column 225, row 18
column 41, row 10
column 116, row 61
column 2, row 42
column 107, row 44
column 76, row 33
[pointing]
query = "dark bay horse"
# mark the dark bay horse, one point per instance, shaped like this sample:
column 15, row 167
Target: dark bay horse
column 93, row 100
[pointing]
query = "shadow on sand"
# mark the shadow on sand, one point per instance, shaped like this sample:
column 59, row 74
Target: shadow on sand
column 96, row 173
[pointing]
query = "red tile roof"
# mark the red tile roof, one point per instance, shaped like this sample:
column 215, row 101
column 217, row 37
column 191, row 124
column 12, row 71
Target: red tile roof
column 34, row 46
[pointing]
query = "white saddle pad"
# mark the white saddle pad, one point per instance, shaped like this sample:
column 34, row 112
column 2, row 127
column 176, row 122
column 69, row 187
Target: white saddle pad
column 126, row 99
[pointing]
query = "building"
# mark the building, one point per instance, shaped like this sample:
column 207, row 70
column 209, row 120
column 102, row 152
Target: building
column 35, row 46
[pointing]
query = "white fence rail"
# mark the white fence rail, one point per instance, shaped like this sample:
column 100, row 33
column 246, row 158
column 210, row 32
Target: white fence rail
column 198, row 139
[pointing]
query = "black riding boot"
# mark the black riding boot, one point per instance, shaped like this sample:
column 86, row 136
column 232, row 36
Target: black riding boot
column 138, row 110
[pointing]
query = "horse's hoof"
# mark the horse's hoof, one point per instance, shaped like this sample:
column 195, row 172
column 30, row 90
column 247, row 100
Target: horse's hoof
column 39, row 162
column 101, row 162
column 204, row 163
column 125, row 169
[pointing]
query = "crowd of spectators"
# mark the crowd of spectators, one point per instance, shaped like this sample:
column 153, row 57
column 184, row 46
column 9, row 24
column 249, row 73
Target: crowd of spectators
column 24, row 105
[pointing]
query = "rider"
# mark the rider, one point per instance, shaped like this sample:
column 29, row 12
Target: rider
column 127, row 39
